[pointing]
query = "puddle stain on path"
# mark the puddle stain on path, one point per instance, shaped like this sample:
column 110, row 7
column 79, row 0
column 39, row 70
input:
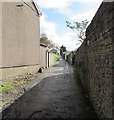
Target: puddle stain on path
column 56, row 96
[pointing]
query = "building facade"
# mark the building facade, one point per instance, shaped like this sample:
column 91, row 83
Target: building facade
column 19, row 39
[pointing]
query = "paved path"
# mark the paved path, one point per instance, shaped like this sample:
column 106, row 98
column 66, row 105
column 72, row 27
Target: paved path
column 56, row 96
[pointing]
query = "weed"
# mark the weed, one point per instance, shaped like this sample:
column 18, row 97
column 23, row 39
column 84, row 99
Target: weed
column 4, row 88
column 9, row 85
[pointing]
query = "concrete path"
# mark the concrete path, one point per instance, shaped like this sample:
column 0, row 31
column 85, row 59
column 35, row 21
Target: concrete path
column 56, row 96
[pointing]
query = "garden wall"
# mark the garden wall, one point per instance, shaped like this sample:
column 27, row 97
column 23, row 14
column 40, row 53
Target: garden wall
column 93, row 60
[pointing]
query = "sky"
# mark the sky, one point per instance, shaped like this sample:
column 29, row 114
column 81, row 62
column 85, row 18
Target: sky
column 56, row 12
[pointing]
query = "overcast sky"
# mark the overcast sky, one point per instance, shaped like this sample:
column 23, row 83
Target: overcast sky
column 56, row 12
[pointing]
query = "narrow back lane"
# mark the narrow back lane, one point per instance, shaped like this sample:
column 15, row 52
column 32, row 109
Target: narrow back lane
column 56, row 96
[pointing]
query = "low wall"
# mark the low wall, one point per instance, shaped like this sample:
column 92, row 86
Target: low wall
column 14, row 71
column 66, row 55
column 93, row 61
column 51, row 59
column 43, row 56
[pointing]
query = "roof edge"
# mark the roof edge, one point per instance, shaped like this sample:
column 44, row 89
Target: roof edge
column 36, row 7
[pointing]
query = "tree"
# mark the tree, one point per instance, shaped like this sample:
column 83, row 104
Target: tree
column 79, row 28
column 51, row 46
column 62, row 49
column 44, row 39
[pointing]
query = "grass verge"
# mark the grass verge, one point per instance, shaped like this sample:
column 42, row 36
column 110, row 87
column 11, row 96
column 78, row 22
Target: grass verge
column 9, row 85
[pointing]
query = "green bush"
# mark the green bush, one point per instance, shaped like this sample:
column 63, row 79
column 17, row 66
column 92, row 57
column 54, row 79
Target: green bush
column 55, row 57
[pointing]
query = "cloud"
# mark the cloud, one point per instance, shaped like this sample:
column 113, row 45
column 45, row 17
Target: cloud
column 62, row 6
column 49, row 28
column 46, row 26
column 70, row 40
column 82, row 16
column 62, row 3
column 65, row 11
column 53, row 3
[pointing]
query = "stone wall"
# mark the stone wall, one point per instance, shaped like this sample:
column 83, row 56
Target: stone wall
column 93, row 61
column 71, row 57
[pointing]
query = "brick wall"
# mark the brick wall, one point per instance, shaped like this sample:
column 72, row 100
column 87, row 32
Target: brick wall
column 93, row 61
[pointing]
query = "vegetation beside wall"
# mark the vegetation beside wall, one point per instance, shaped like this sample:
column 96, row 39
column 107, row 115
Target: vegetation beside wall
column 55, row 57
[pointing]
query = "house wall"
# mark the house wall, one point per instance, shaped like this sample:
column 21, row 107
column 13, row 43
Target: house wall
column 20, row 39
column 0, row 38
column 93, row 61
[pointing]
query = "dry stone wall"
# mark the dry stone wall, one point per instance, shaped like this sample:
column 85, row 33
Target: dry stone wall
column 93, row 61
